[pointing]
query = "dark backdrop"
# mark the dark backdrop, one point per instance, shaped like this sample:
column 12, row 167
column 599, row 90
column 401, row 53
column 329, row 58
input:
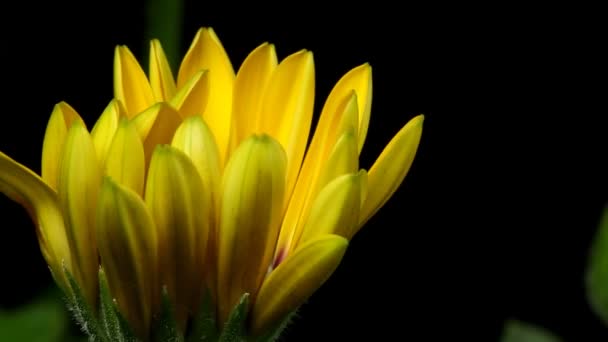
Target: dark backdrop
column 496, row 216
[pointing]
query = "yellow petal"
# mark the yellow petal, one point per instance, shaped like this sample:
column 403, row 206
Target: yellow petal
column 295, row 280
column 349, row 121
column 25, row 187
column 364, row 188
column 128, row 248
column 194, row 138
column 61, row 119
column 251, row 208
column 125, row 163
column 335, row 210
column 176, row 198
column 207, row 53
column 104, row 129
column 78, row 188
column 131, row 87
column 342, row 160
column 249, row 88
column 391, row 167
column 358, row 79
column 156, row 125
column 329, row 129
column 191, row 99
column 161, row 77
column 287, row 109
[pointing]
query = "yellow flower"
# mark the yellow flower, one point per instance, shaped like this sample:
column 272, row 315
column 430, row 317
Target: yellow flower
column 209, row 180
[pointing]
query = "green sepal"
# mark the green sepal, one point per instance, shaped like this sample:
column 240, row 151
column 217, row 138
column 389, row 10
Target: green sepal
column 114, row 326
column 596, row 280
column 82, row 312
column 235, row 328
column 204, row 324
column 275, row 332
column 166, row 326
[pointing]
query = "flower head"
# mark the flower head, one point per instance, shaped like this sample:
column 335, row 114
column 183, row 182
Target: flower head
column 208, row 181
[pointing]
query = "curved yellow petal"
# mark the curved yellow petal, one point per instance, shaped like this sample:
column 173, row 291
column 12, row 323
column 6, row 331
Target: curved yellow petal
column 156, row 125
column 287, row 109
column 391, row 167
column 191, row 99
column 25, row 187
column 364, row 189
column 335, row 210
column 329, row 129
column 78, row 188
column 359, row 80
column 125, row 163
column 250, row 215
column 342, row 160
column 207, row 53
column 161, row 77
column 296, row 279
column 177, row 202
column 194, row 138
column 104, row 129
column 131, row 87
column 61, row 119
column 127, row 241
column 249, row 88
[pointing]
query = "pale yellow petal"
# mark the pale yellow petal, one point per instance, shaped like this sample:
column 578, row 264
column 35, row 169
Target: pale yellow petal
column 287, row 109
column 78, row 188
column 155, row 126
column 104, row 129
column 161, row 77
column 25, row 187
column 131, row 87
column 191, row 99
column 359, row 80
column 251, row 208
column 128, row 249
column 329, row 129
column 343, row 159
column 295, row 280
column 335, row 210
column 177, row 201
column 249, row 88
column 125, row 163
column 363, row 177
column 391, row 167
column 194, row 138
column 207, row 53
column 61, row 119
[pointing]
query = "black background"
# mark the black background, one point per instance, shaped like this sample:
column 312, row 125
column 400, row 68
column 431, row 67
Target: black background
column 496, row 216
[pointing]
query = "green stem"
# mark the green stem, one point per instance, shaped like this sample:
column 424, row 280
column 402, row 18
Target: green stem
column 164, row 22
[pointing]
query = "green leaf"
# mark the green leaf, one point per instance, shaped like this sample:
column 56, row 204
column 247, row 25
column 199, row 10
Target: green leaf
column 42, row 320
column 166, row 326
column 234, row 329
column 82, row 312
column 204, row 325
column 596, row 280
column 113, row 324
column 516, row 331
